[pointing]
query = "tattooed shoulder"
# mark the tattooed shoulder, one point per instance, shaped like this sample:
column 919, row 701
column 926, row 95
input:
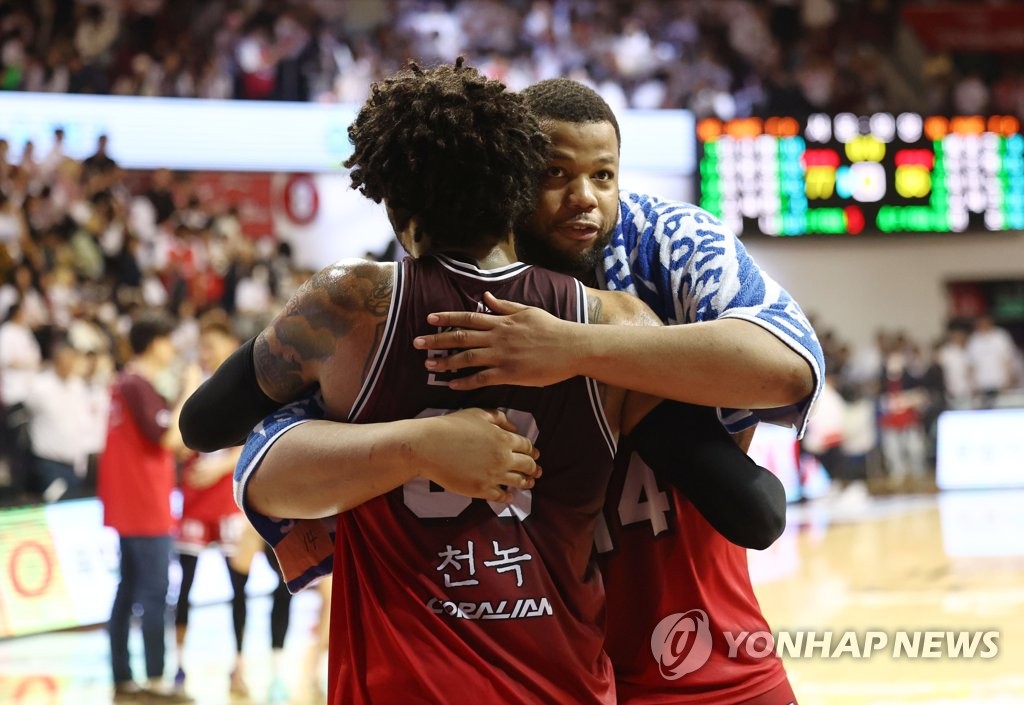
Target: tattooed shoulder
column 316, row 320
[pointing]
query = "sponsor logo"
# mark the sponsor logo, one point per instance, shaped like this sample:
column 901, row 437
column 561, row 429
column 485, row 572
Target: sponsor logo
column 524, row 608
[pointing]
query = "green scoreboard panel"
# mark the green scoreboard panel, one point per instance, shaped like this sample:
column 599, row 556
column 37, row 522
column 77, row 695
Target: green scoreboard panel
column 850, row 174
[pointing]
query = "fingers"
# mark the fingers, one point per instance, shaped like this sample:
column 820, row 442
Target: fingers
column 521, row 445
column 498, row 418
column 473, row 320
column 501, row 495
column 452, row 339
column 476, row 357
column 518, row 444
column 509, row 483
column 524, row 465
column 477, row 380
column 520, row 482
column 495, row 416
column 502, row 306
column 513, row 440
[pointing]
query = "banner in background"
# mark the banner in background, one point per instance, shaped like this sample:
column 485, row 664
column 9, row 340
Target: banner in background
column 968, row 26
column 58, row 567
column 243, row 135
column 183, row 133
column 249, row 192
column 980, row 449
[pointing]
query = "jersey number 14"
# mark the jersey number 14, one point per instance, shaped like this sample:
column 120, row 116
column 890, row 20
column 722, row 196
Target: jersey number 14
column 641, row 501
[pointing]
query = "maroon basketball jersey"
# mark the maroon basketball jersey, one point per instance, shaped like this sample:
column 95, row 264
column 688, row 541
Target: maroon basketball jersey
column 441, row 598
column 675, row 588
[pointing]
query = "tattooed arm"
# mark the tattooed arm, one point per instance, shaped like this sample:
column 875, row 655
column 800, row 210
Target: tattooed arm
column 325, row 336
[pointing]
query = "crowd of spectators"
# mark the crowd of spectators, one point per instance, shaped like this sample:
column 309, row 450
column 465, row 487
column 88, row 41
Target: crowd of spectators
column 716, row 57
column 878, row 414
column 85, row 248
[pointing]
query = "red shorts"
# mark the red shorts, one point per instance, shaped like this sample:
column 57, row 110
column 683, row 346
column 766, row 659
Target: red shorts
column 194, row 535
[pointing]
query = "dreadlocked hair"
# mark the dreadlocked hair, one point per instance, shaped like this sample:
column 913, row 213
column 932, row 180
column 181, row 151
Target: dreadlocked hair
column 445, row 145
column 566, row 100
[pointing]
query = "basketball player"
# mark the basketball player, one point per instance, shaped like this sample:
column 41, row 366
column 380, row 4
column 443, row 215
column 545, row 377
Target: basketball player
column 749, row 351
column 724, row 282
column 440, row 598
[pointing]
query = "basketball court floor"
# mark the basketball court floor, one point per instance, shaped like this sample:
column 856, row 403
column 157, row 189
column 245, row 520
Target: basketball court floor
column 873, row 595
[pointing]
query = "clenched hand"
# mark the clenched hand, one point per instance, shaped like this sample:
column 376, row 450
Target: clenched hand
column 488, row 461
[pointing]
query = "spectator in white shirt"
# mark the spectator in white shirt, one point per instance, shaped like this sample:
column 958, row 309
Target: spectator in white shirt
column 13, row 228
column 825, row 431
column 59, row 407
column 956, row 369
column 20, row 356
column 54, row 158
column 991, row 352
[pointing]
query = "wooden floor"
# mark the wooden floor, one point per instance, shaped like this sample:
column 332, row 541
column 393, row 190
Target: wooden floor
column 948, row 563
column 952, row 562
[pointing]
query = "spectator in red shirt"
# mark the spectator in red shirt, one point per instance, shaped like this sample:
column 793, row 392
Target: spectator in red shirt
column 136, row 476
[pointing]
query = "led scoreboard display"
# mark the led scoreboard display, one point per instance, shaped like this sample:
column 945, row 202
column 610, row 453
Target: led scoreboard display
column 847, row 174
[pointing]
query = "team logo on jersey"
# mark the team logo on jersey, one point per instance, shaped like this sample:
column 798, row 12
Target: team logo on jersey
column 681, row 643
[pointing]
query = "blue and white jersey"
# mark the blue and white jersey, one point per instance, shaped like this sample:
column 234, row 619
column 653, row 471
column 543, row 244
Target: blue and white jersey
column 304, row 547
column 687, row 266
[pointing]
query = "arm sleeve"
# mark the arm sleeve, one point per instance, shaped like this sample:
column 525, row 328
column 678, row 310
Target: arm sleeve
column 686, row 446
column 688, row 266
column 227, row 406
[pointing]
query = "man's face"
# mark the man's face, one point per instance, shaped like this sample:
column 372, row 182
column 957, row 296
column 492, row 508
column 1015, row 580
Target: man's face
column 164, row 351
column 578, row 199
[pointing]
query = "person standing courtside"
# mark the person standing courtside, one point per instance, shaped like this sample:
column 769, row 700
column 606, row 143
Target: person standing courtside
column 59, row 405
column 135, row 479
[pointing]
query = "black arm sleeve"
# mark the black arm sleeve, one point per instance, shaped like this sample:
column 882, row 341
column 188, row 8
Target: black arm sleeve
column 226, row 407
column 686, row 446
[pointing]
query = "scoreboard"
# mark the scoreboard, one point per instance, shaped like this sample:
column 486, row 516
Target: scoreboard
column 848, row 174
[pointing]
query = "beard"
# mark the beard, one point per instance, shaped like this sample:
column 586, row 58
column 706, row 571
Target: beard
column 532, row 248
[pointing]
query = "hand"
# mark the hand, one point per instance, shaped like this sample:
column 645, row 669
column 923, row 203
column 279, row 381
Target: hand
column 476, row 453
column 523, row 345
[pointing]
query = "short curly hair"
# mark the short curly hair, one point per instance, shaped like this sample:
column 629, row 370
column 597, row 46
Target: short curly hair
column 449, row 147
column 566, row 100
